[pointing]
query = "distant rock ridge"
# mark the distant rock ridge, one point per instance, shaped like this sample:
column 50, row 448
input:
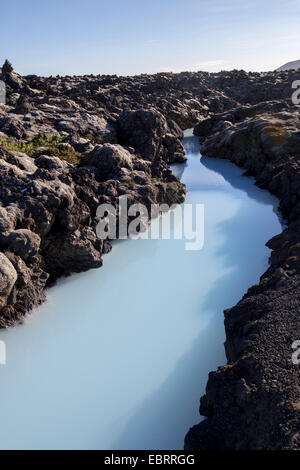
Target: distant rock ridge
column 295, row 65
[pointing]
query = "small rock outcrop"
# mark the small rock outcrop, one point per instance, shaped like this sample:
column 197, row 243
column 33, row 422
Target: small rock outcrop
column 111, row 161
column 10, row 78
column 149, row 134
column 8, row 277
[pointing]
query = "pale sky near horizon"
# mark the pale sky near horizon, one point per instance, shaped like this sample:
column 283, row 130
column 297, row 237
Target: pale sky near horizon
column 128, row 37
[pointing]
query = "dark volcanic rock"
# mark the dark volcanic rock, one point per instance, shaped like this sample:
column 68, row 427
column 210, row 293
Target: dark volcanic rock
column 111, row 160
column 11, row 79
column 147, row 131
column 23, row 105
column 23, row 243
column 8, row 277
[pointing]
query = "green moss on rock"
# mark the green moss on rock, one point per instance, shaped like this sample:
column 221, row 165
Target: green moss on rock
column 48, row 145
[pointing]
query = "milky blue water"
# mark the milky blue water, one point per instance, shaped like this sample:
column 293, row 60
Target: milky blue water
column 118, row 357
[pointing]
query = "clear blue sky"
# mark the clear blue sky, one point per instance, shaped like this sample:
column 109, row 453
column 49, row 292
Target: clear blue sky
column 128, row 37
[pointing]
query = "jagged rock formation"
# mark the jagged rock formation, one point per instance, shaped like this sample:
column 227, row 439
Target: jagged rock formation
column 106, row 136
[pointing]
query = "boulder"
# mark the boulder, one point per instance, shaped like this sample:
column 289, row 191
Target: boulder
column 81, row 145
column 8, row 218
column 74, row 252
column 8, row 277
column 23, row 243
column 147, row 131
column 110, row 159
column 23, row 105
column 50, row 163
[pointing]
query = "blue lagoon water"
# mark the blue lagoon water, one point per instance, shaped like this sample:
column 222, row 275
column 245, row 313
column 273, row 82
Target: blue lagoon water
column 118, row 357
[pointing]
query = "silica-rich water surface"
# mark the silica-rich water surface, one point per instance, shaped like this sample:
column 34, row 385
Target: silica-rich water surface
column 118, row 357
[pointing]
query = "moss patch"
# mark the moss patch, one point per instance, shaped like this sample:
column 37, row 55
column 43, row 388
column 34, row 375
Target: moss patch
column 275, row 136
column 49, row 143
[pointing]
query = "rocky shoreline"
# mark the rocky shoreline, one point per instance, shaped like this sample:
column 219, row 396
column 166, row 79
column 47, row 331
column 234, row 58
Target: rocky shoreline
column 253, row 402
column 53, row 180
column 68, row 144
